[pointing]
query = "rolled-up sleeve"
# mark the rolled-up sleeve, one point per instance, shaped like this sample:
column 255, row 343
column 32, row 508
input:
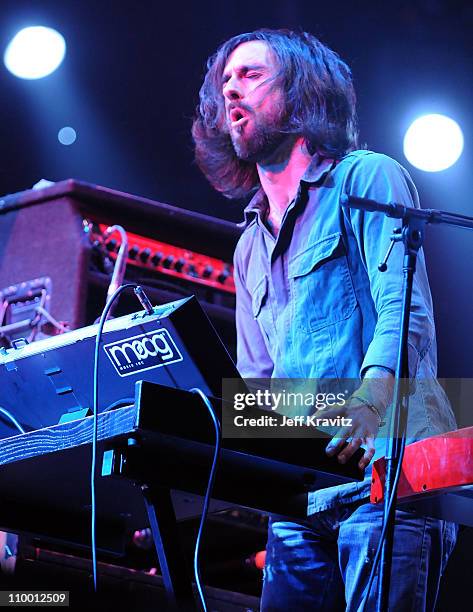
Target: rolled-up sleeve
column 253, row 359
column 380, row 178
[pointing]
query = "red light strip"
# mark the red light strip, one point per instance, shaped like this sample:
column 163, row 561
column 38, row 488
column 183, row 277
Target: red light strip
column 174, row 261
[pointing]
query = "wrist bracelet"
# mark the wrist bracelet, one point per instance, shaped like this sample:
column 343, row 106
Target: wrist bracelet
column 366, row 403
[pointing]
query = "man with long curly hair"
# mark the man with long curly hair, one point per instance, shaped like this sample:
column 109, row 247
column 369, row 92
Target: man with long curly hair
column 277, row 121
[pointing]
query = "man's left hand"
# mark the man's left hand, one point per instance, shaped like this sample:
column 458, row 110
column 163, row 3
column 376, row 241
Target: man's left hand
column 361, row 433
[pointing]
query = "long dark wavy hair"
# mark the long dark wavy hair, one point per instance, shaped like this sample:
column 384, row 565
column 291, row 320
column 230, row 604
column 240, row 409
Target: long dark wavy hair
column 320, row 106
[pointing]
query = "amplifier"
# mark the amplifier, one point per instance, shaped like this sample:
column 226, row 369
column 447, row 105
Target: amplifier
column 53, row 253
column 169, row 260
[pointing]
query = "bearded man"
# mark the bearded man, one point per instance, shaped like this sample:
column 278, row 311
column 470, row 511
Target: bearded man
column 277, row 120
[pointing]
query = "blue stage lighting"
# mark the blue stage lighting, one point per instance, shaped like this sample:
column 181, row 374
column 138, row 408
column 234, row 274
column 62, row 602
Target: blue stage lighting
column 433, row 143
column 67, row 135
column 34, row 52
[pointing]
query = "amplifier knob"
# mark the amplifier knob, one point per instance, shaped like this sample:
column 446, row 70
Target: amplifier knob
column 222, row 277
column 179, row 264
column 207, row 272
column 192, row 270
column 133, row 252
column 111, row 245
column 145, row 255
column 156, row 259
column 167, row 263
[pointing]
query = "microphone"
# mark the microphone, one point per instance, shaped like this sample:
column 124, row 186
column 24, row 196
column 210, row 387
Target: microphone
column 391, row 209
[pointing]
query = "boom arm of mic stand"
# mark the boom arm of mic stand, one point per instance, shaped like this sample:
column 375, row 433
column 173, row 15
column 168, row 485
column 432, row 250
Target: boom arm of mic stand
column 400, row 211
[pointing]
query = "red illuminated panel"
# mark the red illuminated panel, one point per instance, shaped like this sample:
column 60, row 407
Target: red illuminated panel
column 435, row 464
column 174, row 261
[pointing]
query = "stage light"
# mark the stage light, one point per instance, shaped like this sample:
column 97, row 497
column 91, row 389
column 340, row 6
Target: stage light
column 433, row 143
column 67, row 136
column 34, row 52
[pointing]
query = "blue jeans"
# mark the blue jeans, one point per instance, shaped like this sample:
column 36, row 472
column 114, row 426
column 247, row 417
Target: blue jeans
column 324, row 563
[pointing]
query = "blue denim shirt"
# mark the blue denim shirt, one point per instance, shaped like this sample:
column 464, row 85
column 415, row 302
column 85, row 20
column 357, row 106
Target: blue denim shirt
column 311, row 302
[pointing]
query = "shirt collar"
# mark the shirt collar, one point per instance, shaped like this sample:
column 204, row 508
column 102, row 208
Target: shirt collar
column 316, row 172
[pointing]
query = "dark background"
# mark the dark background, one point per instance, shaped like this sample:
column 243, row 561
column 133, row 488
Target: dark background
column 130, row 81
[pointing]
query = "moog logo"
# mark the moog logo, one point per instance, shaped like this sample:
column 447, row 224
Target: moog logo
column 143, row 352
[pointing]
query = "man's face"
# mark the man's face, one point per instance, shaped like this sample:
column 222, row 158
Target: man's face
column 254, row 104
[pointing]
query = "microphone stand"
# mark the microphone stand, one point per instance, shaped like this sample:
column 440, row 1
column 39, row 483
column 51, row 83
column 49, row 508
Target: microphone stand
column 411, row 234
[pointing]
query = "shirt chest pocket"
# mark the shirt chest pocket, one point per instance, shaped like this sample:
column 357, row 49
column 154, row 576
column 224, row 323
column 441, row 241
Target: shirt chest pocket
column 321, row 285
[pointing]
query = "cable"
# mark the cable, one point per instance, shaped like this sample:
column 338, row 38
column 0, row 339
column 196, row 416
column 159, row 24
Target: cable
column 12, row 419
column 124, row 401
column 119, row 268
column 208, row 493
column 374, row 567
column 26, row 323
column 102, row 321
column 43, row 312
column 5, row 329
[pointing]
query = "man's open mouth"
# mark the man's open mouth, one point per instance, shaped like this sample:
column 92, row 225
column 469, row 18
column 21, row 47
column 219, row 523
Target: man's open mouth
column 237, row 117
